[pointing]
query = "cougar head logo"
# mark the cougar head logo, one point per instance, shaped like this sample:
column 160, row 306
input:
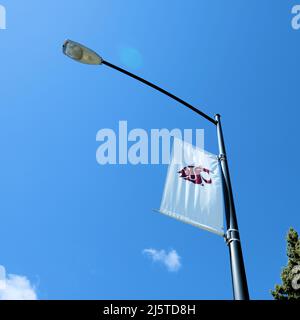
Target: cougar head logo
column 196, row 175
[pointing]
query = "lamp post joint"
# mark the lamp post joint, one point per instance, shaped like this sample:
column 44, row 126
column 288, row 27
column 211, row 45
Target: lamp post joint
column 222, row 157
column 232, row 235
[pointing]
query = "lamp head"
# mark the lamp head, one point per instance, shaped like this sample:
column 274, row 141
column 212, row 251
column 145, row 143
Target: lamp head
column 80, row 53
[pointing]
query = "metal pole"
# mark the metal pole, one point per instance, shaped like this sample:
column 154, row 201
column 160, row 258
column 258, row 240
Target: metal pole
column 238, row 274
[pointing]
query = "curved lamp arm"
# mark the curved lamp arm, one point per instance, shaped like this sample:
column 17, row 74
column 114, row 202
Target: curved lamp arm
column 81, row 53
column 152, row 85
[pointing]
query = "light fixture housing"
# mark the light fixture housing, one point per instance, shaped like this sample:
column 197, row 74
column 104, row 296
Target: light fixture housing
column 80, row 53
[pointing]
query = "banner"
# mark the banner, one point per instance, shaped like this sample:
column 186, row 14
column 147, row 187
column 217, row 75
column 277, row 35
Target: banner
column 193, row 191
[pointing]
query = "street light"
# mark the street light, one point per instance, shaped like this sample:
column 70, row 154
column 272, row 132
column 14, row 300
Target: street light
column 80, row 53
column 85, row 55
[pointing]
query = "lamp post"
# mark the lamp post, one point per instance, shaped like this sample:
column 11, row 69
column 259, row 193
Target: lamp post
column 82, row 54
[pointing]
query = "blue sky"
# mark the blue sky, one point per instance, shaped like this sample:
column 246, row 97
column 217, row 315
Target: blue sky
column 77, row 230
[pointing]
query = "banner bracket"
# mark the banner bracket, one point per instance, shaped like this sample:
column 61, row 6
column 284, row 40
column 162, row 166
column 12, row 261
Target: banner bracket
column 222, row 157
column 231, row 235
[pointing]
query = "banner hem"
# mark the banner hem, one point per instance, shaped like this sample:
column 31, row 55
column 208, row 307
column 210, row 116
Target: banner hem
column 189, row 221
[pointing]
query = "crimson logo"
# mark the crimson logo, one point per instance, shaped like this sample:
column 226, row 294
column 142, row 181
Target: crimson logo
column 196, row 175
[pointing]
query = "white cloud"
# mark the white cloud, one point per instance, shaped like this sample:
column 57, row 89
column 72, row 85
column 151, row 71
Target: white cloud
column 170, row 259
column 15, row 287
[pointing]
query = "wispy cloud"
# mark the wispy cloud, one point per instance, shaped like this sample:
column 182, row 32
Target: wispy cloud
column 170, row 259
column 15, row 287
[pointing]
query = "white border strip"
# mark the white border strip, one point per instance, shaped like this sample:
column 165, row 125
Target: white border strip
column 189, row 221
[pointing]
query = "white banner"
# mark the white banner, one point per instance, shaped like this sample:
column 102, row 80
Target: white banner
column 193, row 191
